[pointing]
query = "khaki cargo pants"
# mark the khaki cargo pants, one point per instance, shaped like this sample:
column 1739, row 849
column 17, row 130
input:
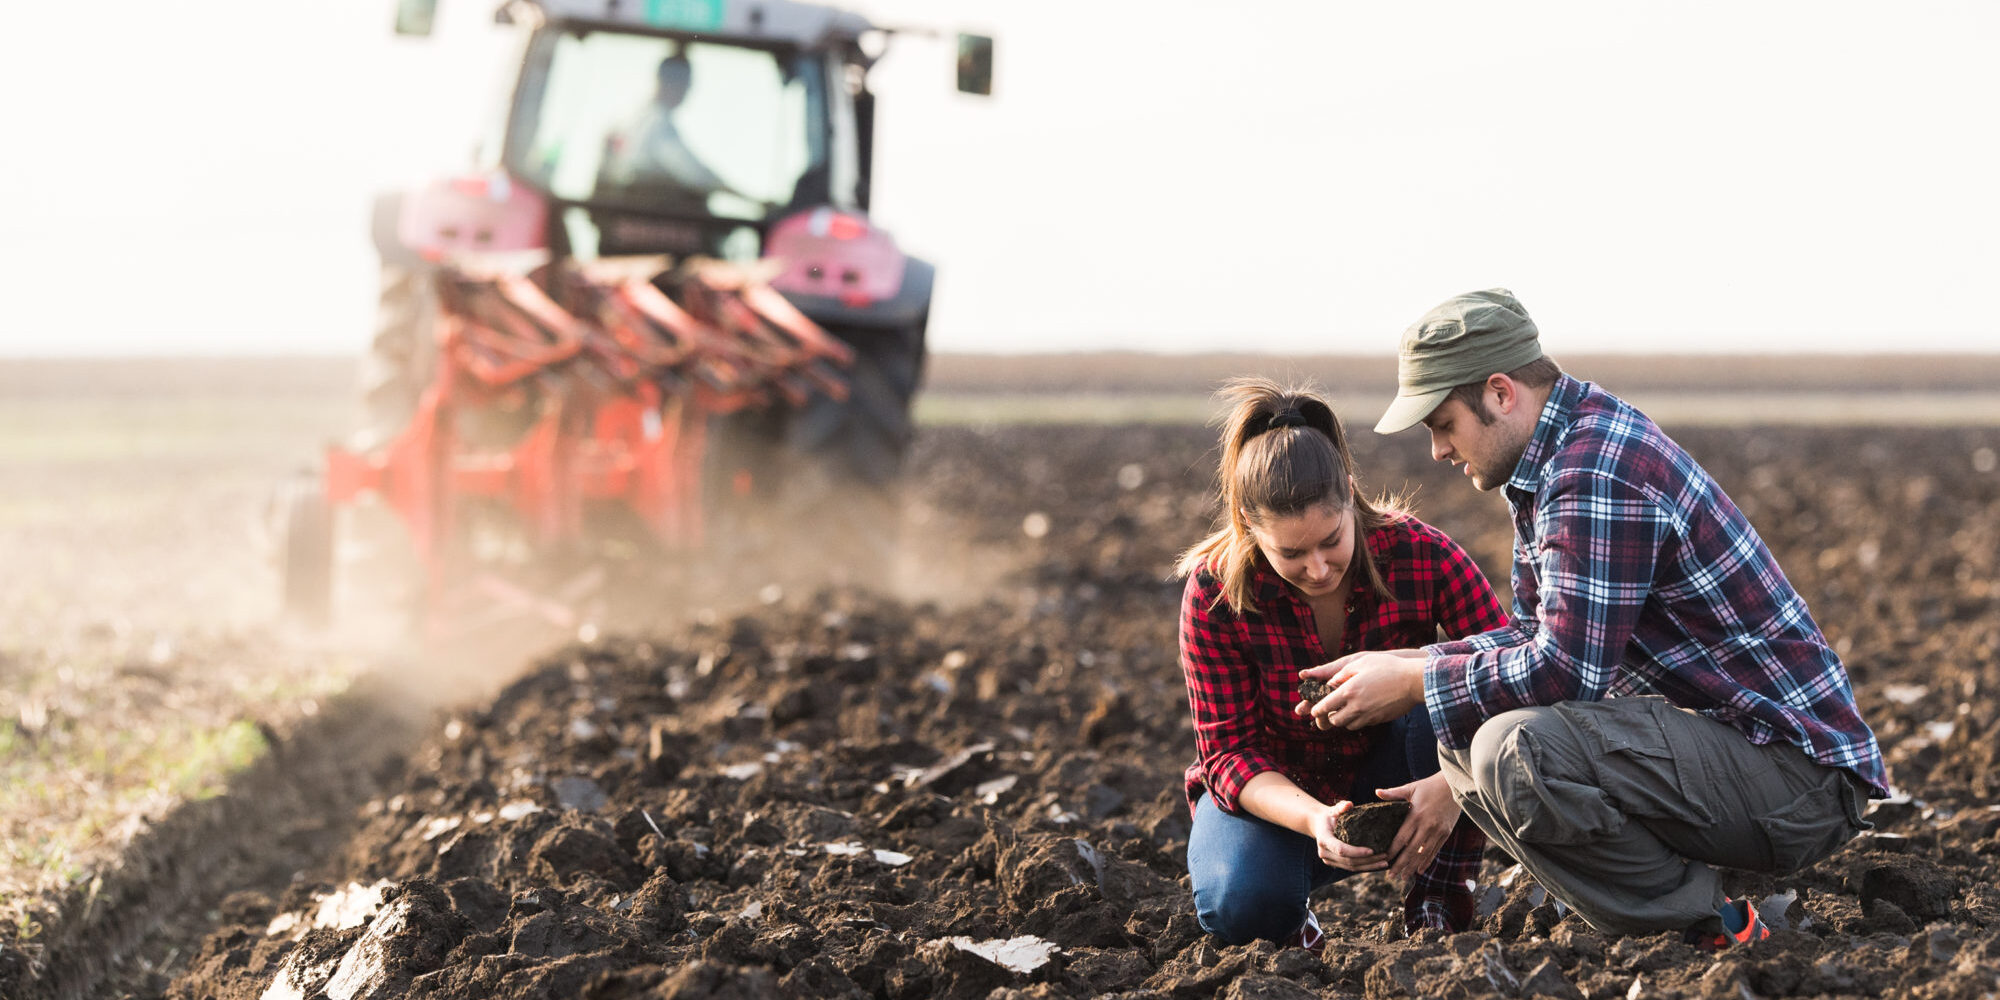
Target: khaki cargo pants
column 1619, row 807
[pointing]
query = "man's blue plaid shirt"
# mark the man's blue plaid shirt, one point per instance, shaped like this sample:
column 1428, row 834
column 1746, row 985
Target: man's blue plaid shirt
column 1634, row 572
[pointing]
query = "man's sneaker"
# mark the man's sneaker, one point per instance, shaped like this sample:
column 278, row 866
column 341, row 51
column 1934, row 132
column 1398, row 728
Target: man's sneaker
column 1308, row 936
column 1740, row 925
column 1740, row 921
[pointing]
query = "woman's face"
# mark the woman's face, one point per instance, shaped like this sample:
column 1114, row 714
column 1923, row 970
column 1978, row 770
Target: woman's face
column 1311, row 549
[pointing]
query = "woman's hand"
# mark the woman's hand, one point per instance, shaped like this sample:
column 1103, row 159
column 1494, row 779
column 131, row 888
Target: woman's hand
column 1337, row 852
column 1433, row 812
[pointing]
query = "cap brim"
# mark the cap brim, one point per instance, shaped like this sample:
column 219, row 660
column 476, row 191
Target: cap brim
column 1406, row 412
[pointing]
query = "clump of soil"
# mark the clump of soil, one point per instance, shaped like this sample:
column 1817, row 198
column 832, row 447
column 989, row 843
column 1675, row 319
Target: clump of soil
column 1312, row 689
column 848, row 795
column 1372, row 826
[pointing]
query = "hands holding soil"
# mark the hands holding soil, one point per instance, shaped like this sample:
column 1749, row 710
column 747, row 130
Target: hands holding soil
column 1402, row 833
column 1330, row 825
column 1362, row 689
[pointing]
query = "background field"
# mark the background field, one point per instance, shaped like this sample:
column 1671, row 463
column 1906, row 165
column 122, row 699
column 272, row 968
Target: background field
column 1674, row 389
column 141, row 662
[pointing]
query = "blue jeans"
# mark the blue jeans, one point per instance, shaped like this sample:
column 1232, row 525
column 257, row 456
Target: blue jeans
column 1251, row 877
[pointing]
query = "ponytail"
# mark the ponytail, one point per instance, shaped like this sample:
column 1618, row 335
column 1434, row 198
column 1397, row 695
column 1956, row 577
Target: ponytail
column 1283, row 452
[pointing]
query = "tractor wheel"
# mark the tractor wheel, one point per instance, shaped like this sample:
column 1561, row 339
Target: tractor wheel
column 863, row 440
column 852, row 453
column 306, row 562
column 826, row 474
column 870, row 433
column 403, row 353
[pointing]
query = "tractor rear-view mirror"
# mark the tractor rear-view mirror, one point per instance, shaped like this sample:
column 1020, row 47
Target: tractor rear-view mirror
column 975, row 64
column 415, row 17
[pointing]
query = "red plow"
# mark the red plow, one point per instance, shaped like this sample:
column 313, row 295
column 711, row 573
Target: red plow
column 602, row 386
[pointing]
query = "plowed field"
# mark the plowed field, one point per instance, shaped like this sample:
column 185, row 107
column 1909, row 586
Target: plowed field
column 965, row 784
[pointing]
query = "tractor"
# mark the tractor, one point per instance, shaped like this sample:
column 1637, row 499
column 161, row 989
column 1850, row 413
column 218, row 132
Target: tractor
column 658, row 305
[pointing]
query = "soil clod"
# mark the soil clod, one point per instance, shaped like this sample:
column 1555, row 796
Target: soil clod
column 1373, row 825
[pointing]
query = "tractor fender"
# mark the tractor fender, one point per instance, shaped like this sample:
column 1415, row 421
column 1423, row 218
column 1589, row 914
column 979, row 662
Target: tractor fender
column 867, row 435
column 908, row 308
column 841, row 270
column 476, row 214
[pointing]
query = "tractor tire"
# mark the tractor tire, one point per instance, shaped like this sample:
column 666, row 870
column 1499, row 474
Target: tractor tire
column 851, row 454
column 306, row 560
column 864, row 439
column 867, row 446
column 402, row 355
column 825, row 475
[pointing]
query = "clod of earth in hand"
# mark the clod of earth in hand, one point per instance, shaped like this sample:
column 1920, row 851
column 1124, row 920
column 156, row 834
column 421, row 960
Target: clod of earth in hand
column 1372, row 826
column 1312, row 690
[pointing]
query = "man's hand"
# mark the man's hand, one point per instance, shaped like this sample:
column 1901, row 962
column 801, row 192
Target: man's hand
column 1339, row 853
column 1368, row 688
column 1433, row 812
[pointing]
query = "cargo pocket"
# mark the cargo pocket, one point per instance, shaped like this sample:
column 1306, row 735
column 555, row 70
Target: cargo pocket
column 1545, row 800
column 1812, row 826
column 1637, row 769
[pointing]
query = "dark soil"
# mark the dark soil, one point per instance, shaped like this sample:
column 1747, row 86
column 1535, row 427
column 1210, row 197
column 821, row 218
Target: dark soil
column 1312, row 689
column 848, row 795
column 1372, row 826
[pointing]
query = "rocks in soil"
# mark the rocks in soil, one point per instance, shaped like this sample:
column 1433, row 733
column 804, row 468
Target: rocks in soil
column 1916, row 886
column 413, row 933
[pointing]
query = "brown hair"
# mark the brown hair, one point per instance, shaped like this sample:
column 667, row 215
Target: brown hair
column 1283, row 451
column 1537, row 374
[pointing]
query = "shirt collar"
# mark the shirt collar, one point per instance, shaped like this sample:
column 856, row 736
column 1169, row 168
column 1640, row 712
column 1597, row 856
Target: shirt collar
column 1549, row 428
column 1265, row 583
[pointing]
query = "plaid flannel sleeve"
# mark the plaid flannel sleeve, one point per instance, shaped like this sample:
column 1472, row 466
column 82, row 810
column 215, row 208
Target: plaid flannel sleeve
column 1222, row 687
column 1600, row 540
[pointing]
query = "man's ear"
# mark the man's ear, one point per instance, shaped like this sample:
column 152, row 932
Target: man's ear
column 1505, row 393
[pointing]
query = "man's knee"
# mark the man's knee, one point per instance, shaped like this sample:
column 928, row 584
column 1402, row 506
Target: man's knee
column 1502, row 752
column 1533, row 776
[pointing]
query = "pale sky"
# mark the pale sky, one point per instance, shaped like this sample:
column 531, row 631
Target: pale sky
column 1264, row 175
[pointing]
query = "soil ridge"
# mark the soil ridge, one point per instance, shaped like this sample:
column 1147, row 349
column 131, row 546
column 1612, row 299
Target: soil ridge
column 295, row 803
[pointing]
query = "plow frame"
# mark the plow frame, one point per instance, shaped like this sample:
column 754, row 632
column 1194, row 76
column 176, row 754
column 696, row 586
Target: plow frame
column 616, row 390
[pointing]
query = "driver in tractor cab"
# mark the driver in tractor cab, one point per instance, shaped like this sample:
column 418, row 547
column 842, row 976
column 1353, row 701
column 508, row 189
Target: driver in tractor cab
column 647, row 156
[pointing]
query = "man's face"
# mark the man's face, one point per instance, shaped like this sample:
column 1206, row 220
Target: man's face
column 673, row 79
column 1487, row 449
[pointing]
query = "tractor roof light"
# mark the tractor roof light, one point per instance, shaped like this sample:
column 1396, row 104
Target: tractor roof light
column 829, row 224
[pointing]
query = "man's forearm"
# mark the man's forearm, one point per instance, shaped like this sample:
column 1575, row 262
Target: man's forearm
column 1463, row 690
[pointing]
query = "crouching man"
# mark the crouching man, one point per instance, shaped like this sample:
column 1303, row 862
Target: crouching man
column 1661, row 700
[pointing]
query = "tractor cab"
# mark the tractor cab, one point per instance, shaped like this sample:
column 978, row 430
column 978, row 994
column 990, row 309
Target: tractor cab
column 687, row 127
column 691, row 135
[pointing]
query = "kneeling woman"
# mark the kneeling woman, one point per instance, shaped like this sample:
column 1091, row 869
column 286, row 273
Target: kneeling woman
column 1304, row 570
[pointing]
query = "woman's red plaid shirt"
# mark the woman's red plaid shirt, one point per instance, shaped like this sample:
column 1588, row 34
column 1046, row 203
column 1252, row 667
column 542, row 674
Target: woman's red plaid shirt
column 1243, row 673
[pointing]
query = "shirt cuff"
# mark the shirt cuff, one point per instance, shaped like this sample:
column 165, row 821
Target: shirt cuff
column 1445, row 696
column 1226, row 777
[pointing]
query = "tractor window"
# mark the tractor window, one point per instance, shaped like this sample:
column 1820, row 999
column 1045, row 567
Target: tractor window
column 681, row 127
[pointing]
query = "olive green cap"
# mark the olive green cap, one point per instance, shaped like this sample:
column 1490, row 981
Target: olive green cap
column 1464, row 339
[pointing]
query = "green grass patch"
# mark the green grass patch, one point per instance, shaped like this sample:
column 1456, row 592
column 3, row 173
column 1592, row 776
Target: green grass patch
column 64, row 790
